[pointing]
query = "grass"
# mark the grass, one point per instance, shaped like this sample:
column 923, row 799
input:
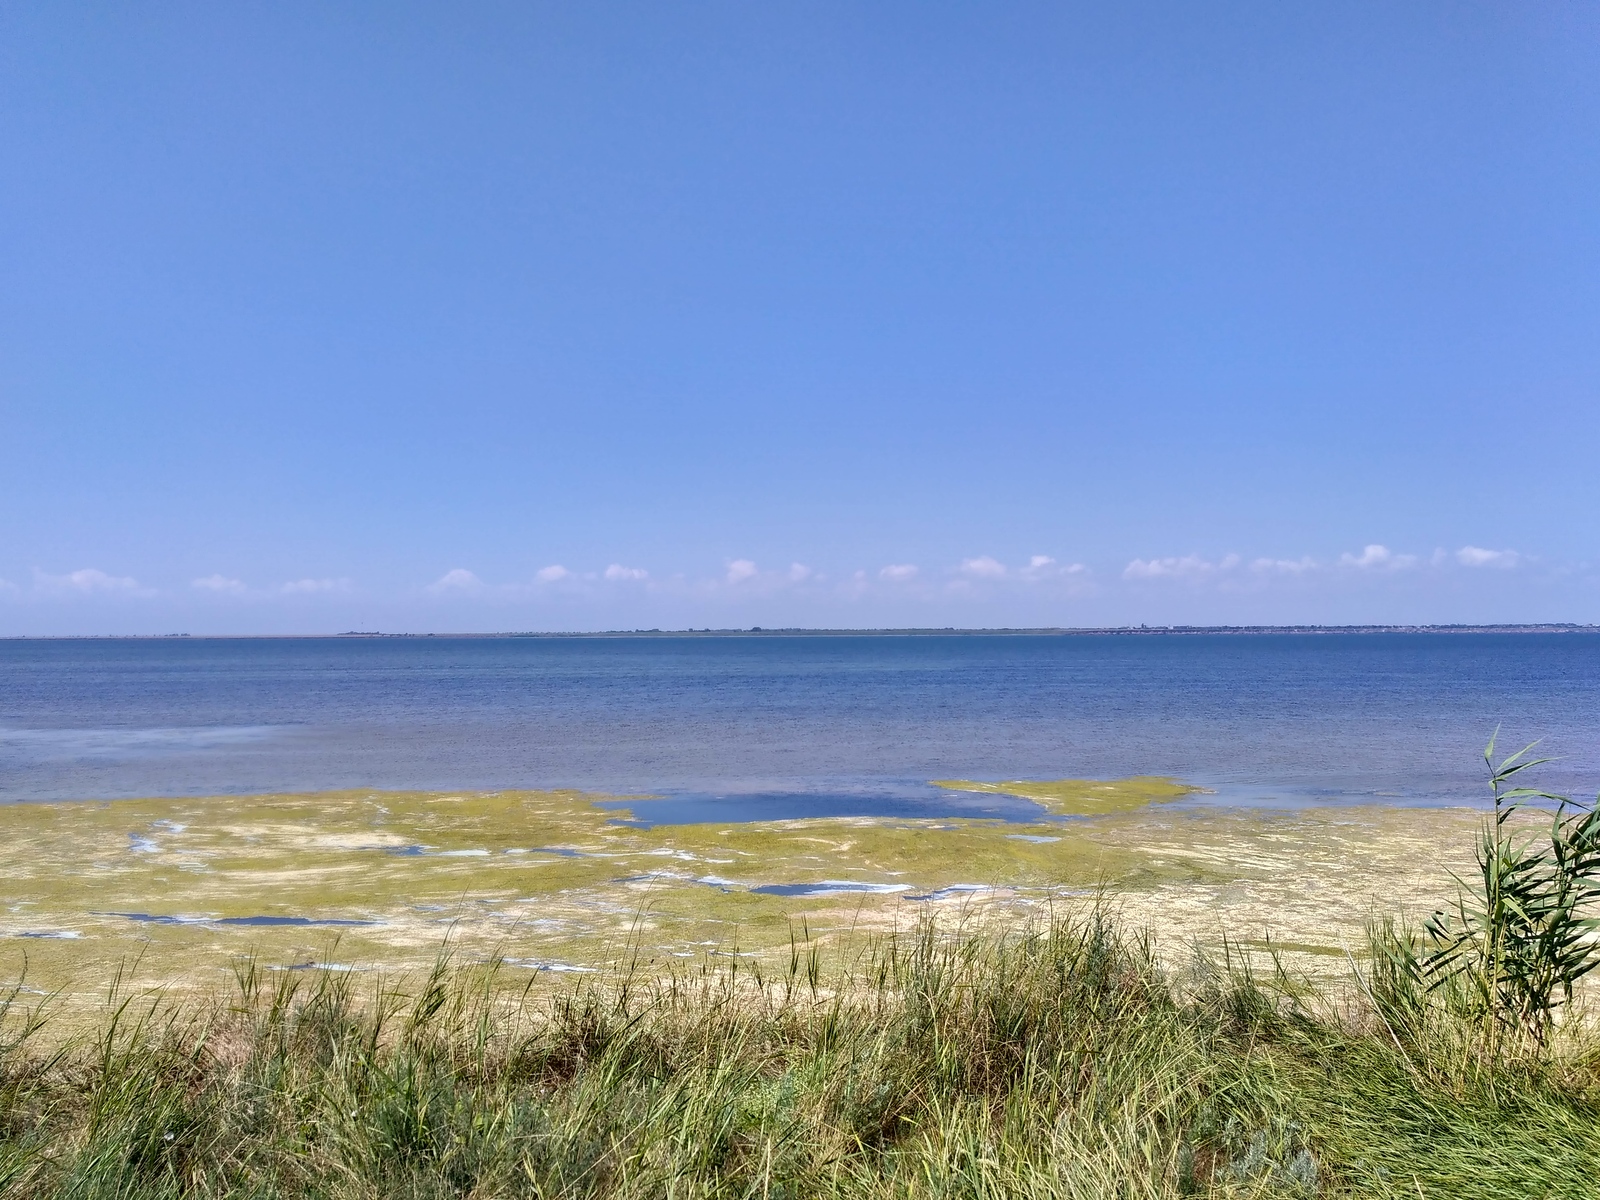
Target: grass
column 953, row 1060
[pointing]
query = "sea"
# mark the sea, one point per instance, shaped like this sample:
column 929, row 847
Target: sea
column 730, row 727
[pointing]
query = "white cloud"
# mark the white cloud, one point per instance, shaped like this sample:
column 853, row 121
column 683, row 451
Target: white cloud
column 1042, row 566
column 89, row 581
column 1284, row 566
column 898, row 572
column 458, row 580
column 741, row 569
column 1376, row 557
column 1476, row 556
column 551, row 574
column 1372, row 556
column 1190, row 566
column 983, row 567
column 1156, row 568
column 616, row 571
column 799, row 572
column 311, row 587
column 220, row 584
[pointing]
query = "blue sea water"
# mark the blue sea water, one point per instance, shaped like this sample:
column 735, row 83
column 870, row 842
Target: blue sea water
column 738, row 727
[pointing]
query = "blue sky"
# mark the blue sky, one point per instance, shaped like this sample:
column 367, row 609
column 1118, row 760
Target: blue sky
column 477, row 317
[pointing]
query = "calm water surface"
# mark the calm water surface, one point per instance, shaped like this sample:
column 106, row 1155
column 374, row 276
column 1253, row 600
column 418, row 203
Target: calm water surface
column 728, row 727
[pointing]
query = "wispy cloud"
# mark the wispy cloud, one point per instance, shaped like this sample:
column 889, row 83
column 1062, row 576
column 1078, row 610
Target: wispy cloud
column 1042, row 566
column 1380, row 558
column 89, row 581
column 1374, row 559
column 220, row 585
column 981, row 580
column 1476, row 556
column 983, row 567
column 1284, row 566
column 313, row 587
column 1190, row 566
column 457, row 581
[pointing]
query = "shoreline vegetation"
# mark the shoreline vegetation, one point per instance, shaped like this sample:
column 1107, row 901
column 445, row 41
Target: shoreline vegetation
column 1057, row 1059
column 1075, row 1042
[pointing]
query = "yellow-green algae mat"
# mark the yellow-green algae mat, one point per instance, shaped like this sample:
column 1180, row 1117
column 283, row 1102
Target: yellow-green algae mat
column 179, row 889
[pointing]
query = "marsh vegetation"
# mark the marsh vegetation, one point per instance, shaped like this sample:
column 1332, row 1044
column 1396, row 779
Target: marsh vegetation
column 976, row 1051
column 1061, row 1060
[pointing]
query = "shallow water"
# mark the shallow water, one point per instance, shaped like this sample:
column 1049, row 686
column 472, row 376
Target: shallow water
column 735, row 728
column 265, row 922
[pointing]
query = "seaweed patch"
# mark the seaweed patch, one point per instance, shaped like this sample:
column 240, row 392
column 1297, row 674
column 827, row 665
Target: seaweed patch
column 552, row 878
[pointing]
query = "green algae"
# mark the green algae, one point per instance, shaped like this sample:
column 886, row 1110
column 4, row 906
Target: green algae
column 551, row 878
column 1081, row 797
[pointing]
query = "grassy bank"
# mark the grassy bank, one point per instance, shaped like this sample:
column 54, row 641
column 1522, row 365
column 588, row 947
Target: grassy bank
column 1059, row 1061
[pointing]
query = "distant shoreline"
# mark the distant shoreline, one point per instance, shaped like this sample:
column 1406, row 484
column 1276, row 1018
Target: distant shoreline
column 760, row 631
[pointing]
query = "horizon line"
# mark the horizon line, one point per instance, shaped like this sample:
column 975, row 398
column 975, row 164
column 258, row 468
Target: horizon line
column 884, row 631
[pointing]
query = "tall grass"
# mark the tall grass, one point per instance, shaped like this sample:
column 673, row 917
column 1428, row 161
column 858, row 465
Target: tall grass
column 1062, row 1060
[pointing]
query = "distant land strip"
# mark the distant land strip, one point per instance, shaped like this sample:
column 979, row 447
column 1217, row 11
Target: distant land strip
column 766, row 631
column 1059, row 631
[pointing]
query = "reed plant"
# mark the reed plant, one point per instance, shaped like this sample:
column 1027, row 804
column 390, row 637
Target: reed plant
column 1521, row 934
